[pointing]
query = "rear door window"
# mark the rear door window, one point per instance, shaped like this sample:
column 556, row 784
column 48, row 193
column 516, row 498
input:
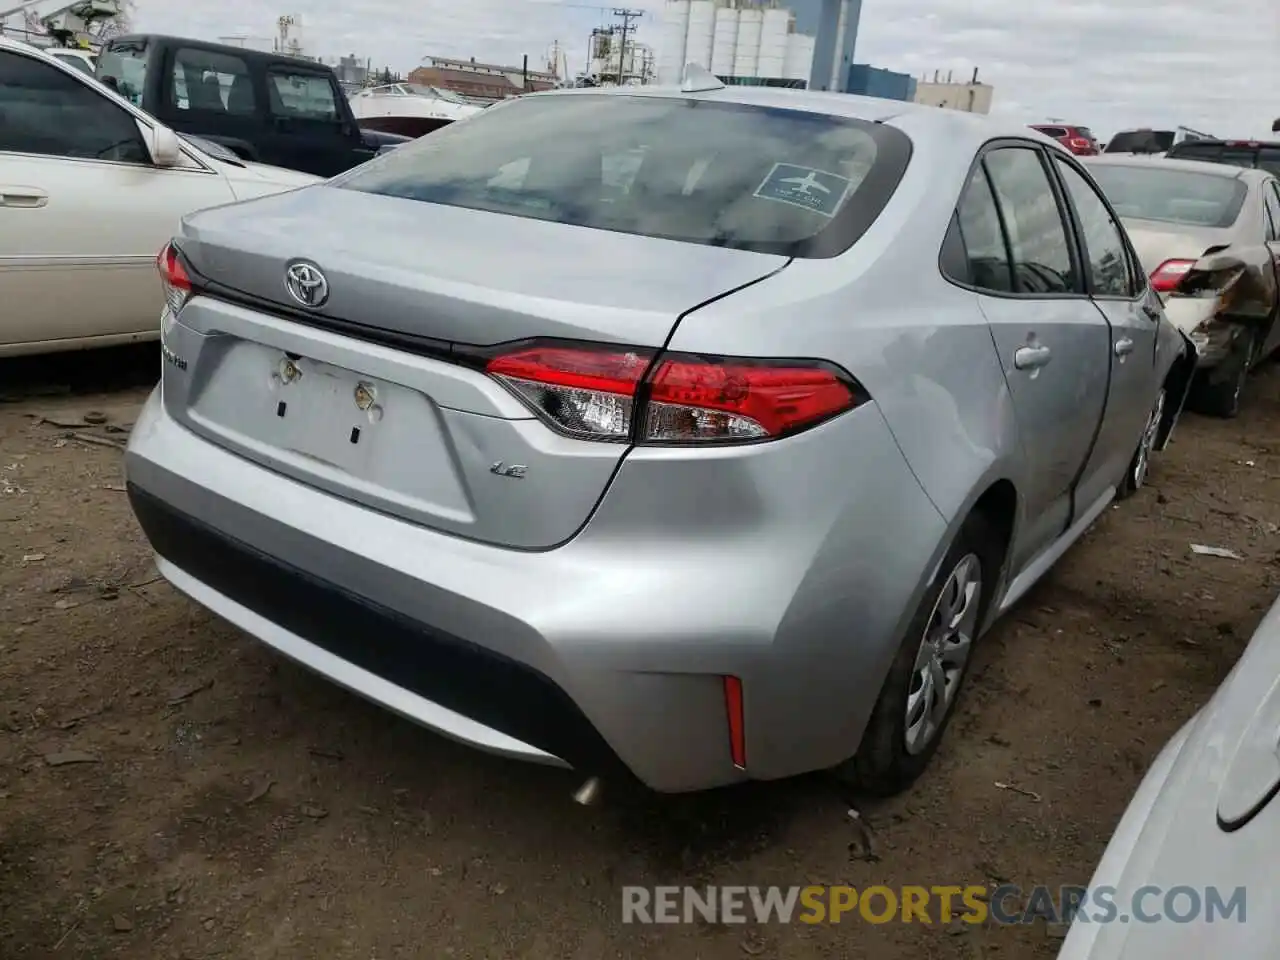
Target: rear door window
column 301, row 95
column 982, row 236
column 1104, row 248
column 208, row 82
column 746, row 177
column 1057, row 132
column 122, row 65
column 1033, row 220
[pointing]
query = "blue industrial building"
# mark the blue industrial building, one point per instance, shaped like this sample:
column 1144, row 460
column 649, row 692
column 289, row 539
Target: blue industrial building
column 822, row 19
column 835, row 25
column 869, row 81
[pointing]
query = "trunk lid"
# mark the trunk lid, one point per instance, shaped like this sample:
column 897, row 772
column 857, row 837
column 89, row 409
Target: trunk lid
column 311, row 395
column 1156, row 242
column 459, row 275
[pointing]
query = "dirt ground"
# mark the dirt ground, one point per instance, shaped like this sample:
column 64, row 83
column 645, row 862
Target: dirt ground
column 171, row 789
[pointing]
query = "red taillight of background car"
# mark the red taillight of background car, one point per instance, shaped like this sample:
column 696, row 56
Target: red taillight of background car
column 606, row 393
column 1166, row 277
column 173, row 278
column 1079, row 145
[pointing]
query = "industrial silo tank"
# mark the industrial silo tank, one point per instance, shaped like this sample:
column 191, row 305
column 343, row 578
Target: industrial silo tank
column 725, row 44
column 675, row 28
column 747, row 55
column 702, row 20
column 799, row 62
column 772, row 60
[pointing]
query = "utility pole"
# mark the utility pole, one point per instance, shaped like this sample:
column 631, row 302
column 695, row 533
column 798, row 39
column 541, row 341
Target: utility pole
column 626, row 16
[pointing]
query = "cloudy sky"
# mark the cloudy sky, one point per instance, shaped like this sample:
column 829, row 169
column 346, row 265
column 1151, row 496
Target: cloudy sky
column 1108, row 64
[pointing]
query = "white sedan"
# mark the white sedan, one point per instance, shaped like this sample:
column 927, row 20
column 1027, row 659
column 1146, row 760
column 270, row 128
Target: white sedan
column 1191, row 870
column 90, row 189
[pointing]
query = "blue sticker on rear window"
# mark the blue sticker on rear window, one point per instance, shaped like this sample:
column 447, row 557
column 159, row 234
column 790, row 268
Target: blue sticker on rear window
column 816, row 190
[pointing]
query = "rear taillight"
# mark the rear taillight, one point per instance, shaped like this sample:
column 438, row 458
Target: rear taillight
column 1166, row 277
column 173, row 278
column 1078, row 143
column 603, row 393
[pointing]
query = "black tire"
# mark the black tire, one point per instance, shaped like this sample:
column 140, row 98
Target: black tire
column 1222, row 398
column 1135, row 476
column 883, row 766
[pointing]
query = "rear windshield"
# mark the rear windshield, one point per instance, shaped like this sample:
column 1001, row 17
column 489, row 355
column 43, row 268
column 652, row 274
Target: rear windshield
column 1264, row 157
column 730, row 175
column 1141, row 141
column 1171, row 196
column 1086, row 133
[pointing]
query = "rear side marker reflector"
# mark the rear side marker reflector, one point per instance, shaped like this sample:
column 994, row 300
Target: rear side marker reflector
column 736, row 718
column 604, row 393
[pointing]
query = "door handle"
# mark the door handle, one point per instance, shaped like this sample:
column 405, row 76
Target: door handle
column 1031, row 358
column 1124, row 347
column 24, row 197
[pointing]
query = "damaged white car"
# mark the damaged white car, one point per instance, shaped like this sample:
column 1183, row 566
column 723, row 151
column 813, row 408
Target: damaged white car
column 1209, row 236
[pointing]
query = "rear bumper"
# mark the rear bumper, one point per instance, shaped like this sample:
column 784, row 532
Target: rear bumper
column 607, row 653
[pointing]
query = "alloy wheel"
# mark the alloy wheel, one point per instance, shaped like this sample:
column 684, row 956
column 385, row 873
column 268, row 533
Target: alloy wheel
column 943, row 654
column 1142, row 462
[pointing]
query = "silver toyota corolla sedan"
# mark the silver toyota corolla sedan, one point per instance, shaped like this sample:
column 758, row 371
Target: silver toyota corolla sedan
column 692, row 432
column 1190, row 872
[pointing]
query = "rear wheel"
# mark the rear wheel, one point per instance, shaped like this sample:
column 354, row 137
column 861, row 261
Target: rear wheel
column 919, row 695
column 1221, row 398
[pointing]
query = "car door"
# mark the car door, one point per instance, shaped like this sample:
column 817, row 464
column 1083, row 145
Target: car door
column 1121, row 293
column 309, row 128
column 83, row 211
column 1271, row 198
column 1052, row 341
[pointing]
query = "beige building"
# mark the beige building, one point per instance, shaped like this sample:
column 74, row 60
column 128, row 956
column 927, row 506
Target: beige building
column 971, row 96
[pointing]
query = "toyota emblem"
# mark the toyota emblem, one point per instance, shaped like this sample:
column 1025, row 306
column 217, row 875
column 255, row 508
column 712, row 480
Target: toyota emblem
column 306, row 284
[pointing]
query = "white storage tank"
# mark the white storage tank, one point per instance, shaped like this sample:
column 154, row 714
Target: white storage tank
column 725, row 45
column 702, row 21
column 747, row 56
column 799, row 61
column 675, row 28
column 772, row 60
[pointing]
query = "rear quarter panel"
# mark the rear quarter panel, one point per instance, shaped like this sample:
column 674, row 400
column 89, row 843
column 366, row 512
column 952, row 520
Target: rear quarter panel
column 919, row 345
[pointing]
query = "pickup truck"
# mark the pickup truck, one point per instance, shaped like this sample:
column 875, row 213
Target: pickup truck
column 264, row 107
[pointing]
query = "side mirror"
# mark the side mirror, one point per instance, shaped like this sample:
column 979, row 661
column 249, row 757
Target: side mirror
column 1275, row 127
column 163, row 145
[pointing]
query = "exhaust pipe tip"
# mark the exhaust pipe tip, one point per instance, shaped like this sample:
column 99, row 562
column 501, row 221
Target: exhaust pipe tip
column 588, row 793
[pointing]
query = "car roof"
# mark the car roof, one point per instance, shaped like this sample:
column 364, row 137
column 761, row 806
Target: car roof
column 1223, row 170
column 921, row 122
column 244, row 53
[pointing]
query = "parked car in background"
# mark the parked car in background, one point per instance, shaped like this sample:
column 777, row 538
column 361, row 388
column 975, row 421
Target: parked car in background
column 1151, row 142
column 1209, row 236
column 1079, row 140
column 1206, row 818
column 266, row 107
column 82, row 60
column 1259, row 154
column 645, row 471
column 89, row 185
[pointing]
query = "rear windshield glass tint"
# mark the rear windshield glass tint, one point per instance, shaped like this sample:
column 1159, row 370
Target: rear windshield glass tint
column 1172, row 196
column 731, row 175
column 1086, row 133
column 1141, row 141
